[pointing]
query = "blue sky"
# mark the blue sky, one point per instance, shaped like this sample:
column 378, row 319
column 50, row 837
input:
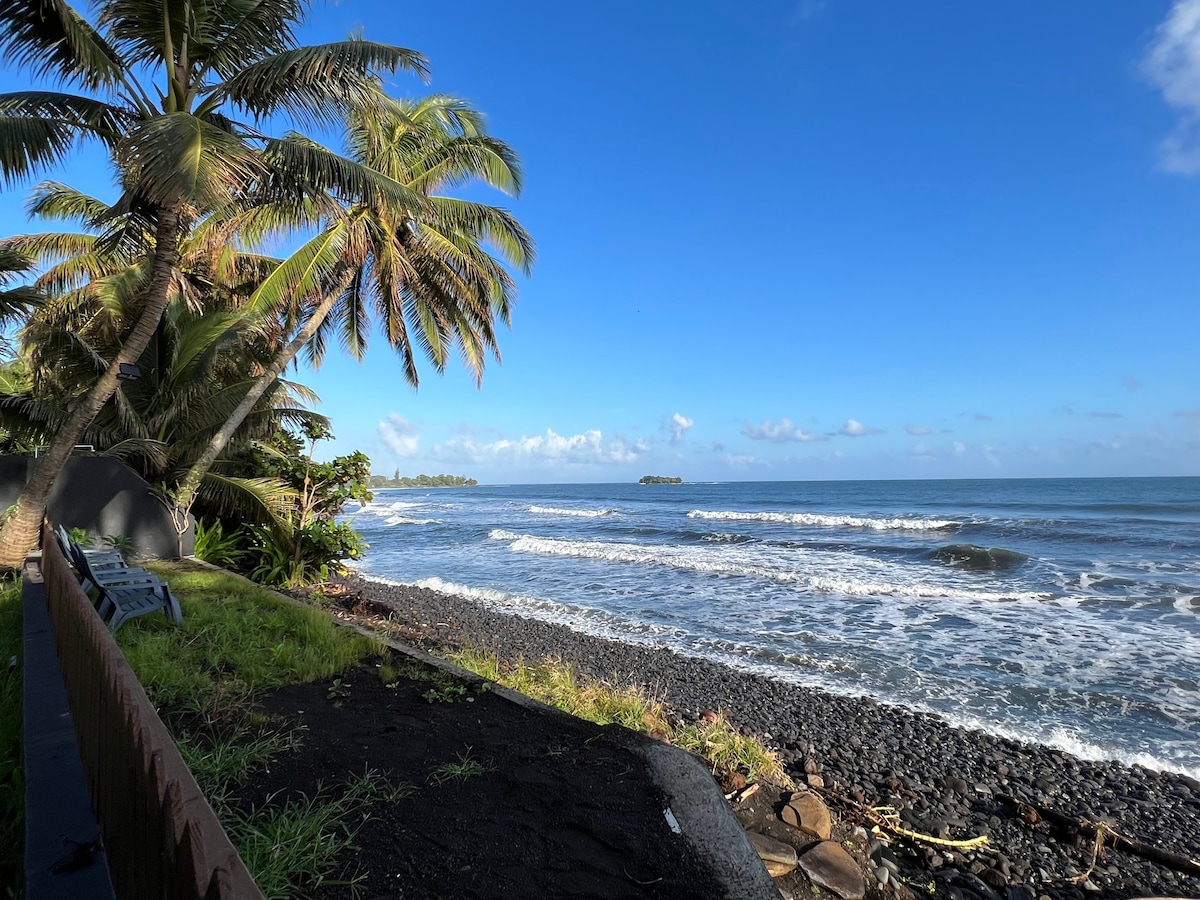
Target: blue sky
column 810, row 240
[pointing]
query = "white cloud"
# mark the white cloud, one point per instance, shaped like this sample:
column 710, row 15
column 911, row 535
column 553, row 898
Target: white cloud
column 781, row 432
column 588, row 448
column 1173, row 65
column 918, row 430
column 1104, row 414
column 678, row 426
column 855, row 428
column 399, row 435
column 982, row 417
column 959, row 448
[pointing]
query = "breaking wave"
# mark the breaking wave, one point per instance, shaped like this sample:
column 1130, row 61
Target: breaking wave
column 815, row 520
column 578, row 513
column 750, row 561
column 409, row 520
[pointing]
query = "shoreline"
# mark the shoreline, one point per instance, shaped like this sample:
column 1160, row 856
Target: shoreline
column 944, row 778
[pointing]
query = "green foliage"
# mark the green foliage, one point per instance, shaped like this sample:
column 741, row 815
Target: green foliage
column 80, row 536
column 446, row 692
column 235, row 637
column 304, row 556
column 309, row 544
column 423, row 481
column 215, row 546
column 123, row 544
column 12, row 782
column 660, row 479
column 329, row 484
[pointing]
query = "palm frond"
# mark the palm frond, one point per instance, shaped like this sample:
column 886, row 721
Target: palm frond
column 238, row 31
column 52, row 39
column 496, row 226
column 257, row 499
column 178, row 158
column 299, row 165
column 85, row 114
column 152, row 454
column 54, row 201
column 15, row 262
column 302, row 274
column 30, row 145
column 464, row 161
column 315, row 83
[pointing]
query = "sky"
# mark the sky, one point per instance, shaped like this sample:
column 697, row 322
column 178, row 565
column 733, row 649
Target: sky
column 811, row 239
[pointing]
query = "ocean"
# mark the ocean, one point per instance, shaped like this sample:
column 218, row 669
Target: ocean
column 1061, row 611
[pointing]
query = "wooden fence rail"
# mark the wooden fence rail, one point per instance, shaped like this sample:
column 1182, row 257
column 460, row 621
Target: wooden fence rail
column 162, row 838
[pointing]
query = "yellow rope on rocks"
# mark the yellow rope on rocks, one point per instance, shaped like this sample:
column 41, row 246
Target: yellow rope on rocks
column 888, row 818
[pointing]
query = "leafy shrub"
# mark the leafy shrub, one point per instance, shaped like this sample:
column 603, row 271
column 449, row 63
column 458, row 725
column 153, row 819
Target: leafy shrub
column 215, row 546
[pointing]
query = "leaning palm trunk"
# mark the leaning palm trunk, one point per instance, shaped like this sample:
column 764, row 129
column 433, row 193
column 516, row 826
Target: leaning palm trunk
column 20, row 531
column 185, row 495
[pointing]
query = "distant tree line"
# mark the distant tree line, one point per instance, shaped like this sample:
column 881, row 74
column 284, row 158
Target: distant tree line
column 422, row 481
column 659, row 479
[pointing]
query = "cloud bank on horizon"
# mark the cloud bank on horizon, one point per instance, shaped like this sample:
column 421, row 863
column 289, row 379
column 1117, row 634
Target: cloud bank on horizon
column 592, row 455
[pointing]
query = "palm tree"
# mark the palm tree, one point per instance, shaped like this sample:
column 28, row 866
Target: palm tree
column 205, row 354
column 162, row 85
column 426, row 270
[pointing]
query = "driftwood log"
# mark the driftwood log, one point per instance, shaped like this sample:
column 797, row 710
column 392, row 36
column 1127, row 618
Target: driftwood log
column 1102, row 833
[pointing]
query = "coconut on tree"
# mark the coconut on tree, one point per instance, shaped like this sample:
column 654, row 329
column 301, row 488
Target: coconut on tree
column 175, row 91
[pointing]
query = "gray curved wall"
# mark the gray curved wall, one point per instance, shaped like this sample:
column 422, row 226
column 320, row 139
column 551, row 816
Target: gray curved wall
column 103, row 496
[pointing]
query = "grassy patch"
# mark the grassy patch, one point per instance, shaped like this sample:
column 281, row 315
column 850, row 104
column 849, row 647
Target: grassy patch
column 236, row 637
column 12, row 781
column 219, row 762
column 558, row 684
column 293, row 848
column 460, row 770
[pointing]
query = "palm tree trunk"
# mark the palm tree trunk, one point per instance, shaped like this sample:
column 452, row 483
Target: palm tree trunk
column 20, row 530
column 185, row 496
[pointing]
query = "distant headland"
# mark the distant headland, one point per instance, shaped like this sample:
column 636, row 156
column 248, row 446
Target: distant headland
column 422, row 481
column 659, row 479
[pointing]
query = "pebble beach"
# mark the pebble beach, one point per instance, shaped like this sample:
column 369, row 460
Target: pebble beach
column 947, row 781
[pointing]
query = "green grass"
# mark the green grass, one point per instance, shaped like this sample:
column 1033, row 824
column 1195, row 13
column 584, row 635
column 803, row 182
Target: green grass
column 220, row 762
column 460, row 770
column 558, row 684
column 292, row 849
column 235, row 638
column 12, row 781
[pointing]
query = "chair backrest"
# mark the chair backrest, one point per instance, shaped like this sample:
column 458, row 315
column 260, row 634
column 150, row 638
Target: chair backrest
column 80, row 561
column 64, row 540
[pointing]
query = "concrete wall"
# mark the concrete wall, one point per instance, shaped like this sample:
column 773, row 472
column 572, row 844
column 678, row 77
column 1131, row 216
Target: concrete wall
column 103, row 496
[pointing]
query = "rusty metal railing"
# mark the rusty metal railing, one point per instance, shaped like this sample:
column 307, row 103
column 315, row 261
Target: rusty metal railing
column 161, row 836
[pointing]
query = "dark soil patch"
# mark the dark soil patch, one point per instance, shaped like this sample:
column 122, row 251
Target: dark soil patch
column 565, row 808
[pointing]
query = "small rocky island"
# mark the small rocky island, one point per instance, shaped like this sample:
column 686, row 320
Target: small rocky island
column 659, row 479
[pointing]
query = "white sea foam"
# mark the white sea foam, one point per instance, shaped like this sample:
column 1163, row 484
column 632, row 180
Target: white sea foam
column 815, row 520
column 588, row 620
column 822, row 573
column 578, row 513
column 409, row 520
